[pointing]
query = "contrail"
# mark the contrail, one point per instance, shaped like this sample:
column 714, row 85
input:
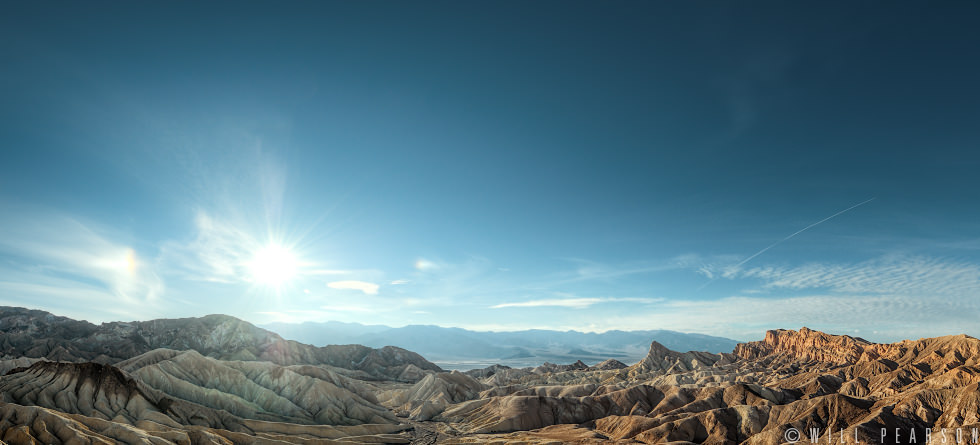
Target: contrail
column 792, row 235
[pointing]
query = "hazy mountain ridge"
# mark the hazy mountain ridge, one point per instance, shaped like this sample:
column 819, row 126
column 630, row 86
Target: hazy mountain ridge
column 446, row 344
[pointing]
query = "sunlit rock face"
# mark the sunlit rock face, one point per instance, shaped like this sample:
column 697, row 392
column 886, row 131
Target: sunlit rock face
column 223, row 381
column 806, row 345
column 838, row 385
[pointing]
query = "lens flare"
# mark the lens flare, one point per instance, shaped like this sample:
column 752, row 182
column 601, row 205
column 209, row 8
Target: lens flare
column 130, row 261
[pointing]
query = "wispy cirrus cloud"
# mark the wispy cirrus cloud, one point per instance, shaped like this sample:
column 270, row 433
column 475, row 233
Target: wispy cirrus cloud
column 426, row 265
column 53, row 259
column 893, row 274
column 888, row 297
column 709, row 266
column 219, row 252
column 587, row 270
column 363, row 286
column 575, row 303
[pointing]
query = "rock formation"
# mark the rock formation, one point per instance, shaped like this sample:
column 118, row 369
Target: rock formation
column 219, row 380
column 832, row 386
column 805, row 345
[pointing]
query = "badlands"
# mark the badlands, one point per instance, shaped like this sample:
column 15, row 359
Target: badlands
column 221, row 380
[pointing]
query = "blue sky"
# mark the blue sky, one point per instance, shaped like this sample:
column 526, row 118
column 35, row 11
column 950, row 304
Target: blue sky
column 496, row 165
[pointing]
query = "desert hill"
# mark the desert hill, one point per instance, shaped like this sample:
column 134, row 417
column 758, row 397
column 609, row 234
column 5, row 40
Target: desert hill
column 26, row 333
column 258, row 390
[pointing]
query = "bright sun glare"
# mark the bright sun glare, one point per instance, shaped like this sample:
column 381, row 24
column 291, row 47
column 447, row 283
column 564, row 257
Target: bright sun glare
column 273, row 265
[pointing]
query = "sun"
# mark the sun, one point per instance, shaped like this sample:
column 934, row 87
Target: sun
column 273, row 265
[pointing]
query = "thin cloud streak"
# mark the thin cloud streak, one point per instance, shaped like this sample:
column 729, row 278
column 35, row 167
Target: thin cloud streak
column 576, row 303
column 741, row 263
column 362, row 286
column 803, row 230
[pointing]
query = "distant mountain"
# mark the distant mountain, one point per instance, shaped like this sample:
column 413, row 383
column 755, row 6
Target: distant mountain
column 330, row 332
column 34, row 334
column 450, row 345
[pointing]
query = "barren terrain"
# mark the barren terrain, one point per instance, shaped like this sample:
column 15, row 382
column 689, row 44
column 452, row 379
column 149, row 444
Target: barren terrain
column 220, row 380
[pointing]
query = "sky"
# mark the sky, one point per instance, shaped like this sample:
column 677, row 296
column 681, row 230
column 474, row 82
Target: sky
column 713, row 167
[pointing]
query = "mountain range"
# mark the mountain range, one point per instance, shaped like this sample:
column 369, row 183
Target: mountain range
column 456, row 348
column 26, row 333
column 221, row 380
